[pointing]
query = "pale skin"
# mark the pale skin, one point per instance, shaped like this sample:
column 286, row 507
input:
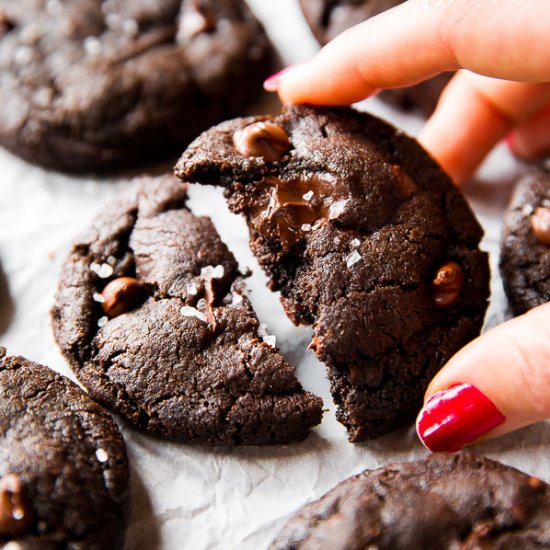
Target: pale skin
column 504, row 45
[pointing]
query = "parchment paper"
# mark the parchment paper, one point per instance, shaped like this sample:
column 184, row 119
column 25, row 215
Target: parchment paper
column 195, row 497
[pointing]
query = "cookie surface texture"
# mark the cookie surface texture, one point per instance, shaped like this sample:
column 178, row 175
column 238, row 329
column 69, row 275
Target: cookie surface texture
column 367, row 240
column 153, row 316
column 525, row 244
column 63, row 466
column 90, row 85
column 441, row 503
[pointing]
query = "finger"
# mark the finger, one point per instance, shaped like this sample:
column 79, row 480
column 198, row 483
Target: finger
column 532, row 139
column 497, row 384
column 418, row 39
column 473, row 114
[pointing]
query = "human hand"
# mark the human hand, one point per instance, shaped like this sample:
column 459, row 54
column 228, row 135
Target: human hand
column 501, row 380
column 505, row 42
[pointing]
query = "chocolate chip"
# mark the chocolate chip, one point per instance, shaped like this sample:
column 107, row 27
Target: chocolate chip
column 122, row 295
column 262, row 139
column 447, row 284
column 540, row 222
column 15, row 514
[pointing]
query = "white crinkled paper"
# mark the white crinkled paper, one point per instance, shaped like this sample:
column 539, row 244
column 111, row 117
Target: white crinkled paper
column 194, row 497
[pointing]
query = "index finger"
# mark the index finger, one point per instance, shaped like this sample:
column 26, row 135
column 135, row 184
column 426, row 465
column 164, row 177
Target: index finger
column 420, row 38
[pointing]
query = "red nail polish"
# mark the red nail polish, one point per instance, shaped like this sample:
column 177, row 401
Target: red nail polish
column 454, row 417
column 510, row 140
column 272, row 83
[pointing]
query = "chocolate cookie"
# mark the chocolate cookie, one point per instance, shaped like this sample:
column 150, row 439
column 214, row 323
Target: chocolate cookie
column 153, row 316
column 443, row 502
column 91, row 85
column 368, row 241
column 525, row 245
column 63, row 467
column 328, row 18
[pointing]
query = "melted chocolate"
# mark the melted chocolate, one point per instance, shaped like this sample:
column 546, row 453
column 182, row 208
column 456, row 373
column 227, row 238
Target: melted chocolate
column 294, row 206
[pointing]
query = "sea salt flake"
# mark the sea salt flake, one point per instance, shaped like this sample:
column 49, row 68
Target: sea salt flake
column 18, row 513
column 54, row 7
column 527, row 210
column 545, row 203
column 102, row 455
column 262, row 330
column 353, row 258
column 102, row 321
column 104, row 271
column 92, row 46
column 213, row 272
column 130, row 26
column 336, row 209
column 98, row 298
column 327, row 202
column 12, row 545
column 201, row 304
column 307, row 196
column 236, row 299
column 43, row 97
column 23, row 55
column 306, row 227
column 114, row 21
column 271, row 340
column 188, row 311
column 192, row 288
column 355, row 243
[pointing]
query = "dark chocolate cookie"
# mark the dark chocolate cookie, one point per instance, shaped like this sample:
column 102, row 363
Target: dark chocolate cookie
column 366, row 238
column 90, row 84
column 153, row 316
column 328, row 18
column 445, row 502
column 525, row 245
column 63, row 467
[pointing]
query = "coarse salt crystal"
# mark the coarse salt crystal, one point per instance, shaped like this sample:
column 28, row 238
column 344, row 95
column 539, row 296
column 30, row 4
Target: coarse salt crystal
column 98, row 298
column 192, row 288
column 355, row 243
column 102, row 321
column 102, row 455
column 92, row 46
column 307, row 196
column 353, row 258
column 18, row 513
column 306, row 227
column 545, row 203
column 12, row 545
column 201, row 304
column 271, row 340
column 527, row 210
column 104, row 271
column 211, row 271
column 188, row 311
column 54, row 7
column 23, row 55
column 236, row 299
column 130, row 26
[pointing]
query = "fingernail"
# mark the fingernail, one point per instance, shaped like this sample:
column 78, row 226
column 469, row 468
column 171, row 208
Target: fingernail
column 510, row 141
column 272, row 83
column 454, row 417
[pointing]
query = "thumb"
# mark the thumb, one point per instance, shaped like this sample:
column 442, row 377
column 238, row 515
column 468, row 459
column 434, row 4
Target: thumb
column 496, row 384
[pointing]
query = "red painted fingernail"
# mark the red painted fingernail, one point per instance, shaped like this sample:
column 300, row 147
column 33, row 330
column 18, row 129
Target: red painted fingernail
column 272, row 83
column 454, row 417
column 510, row 140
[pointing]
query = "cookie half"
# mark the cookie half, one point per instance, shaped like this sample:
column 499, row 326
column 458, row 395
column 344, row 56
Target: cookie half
column 443, row 502
column 328, row 18
column 63, row 466
column 367, row 240
column 153, row 316
column 525, row 244
column 87, row 85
